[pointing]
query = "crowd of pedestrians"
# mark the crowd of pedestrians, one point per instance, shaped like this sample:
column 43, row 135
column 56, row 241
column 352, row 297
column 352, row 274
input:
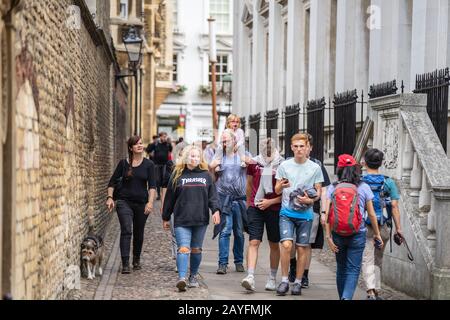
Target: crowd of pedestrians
column 292, row 199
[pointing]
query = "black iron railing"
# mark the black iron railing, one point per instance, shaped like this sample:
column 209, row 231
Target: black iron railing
column 435, row 85
column 344, row 123
column 383, row 89
column 243, row 124
column 291, row 121
column 272, row 123
column 315, row 119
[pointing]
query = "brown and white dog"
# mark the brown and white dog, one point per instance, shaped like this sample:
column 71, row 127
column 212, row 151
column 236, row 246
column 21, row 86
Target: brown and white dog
column 92, row 255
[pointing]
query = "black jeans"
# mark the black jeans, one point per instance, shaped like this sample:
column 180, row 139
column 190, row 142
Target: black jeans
column 132, row 223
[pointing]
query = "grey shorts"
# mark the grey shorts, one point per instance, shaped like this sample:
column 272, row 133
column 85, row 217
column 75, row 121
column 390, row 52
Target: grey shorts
column 314, row 228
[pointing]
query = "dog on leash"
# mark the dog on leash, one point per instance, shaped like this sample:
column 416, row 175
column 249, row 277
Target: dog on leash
column 92, row 255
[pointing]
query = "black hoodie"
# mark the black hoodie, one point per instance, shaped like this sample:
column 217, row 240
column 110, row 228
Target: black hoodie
column 191, row 199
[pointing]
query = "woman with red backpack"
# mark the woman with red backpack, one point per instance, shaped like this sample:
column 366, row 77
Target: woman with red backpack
column 347, row 200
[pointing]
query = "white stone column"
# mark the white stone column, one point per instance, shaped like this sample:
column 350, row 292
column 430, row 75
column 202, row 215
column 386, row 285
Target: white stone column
column 258, row 61
column 352, row 44
column 418, row 40
column 429, row 49
column 275, row 54
column 403, row 42
column 319, row 49
column 294, row 51
column 239, row 53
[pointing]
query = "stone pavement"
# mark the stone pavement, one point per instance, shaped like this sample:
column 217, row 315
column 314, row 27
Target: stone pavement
column 157, row 278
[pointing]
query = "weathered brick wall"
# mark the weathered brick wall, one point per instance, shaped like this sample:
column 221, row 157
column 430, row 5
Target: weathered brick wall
column 65, row 146
column 120, row 118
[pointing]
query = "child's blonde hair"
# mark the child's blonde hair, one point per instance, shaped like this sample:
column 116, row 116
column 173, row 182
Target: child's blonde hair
column 232, row 117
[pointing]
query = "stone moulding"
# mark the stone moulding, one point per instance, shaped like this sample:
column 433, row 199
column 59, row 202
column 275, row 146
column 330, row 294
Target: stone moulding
column 424, row 138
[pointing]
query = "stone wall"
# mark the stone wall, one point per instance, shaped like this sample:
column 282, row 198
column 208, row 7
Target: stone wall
column 414, row 157
column 65, row 142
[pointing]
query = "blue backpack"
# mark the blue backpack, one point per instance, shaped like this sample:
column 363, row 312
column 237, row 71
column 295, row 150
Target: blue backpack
column 381, row 201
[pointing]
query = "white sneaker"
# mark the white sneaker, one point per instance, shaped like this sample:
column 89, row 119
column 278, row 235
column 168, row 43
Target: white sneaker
column 248, row 283
column 271, row 285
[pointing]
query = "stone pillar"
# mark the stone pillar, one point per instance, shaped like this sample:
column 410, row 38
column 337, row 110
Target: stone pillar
column 319, row 49
column 275, row 55
column 440, row 275
column 294, row 51
column 430, row 27
column 389, row 135
column 390, row 41
column 239, row 53
column 352, row 45
column 258, row 61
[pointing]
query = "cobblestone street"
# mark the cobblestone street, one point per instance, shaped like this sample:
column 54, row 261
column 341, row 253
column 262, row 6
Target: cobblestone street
column 157, row 278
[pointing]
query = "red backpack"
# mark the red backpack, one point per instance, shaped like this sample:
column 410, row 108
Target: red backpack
column 345, row 217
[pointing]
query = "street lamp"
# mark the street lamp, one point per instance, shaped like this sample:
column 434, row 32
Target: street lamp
column 227, row 88
column 213, row 60
column 133, row 45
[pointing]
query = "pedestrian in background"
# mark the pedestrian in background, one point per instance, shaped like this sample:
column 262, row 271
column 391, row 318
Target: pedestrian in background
column 234, row 125
column 170, row 166
column 263, row 210
column 347, row 200
column 190, row 195
column 160, row 151
column 386, row 197
column 132, row 186
column 231, row 189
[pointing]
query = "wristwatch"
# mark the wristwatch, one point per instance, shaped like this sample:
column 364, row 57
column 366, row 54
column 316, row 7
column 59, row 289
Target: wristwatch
column 109, row 197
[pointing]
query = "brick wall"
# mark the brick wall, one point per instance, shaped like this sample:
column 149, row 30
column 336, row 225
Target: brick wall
column 66, row 135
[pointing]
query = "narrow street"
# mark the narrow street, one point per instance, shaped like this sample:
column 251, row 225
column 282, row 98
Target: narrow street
column 157, row 278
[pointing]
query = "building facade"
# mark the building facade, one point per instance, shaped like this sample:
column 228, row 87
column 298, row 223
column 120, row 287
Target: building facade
column 291, row 52
column 295, row 51
column 61, row 108
column 190, row 100
column 153, row 19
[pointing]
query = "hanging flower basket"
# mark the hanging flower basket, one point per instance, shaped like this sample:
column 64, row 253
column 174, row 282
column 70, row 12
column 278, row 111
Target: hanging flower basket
column 179, row 89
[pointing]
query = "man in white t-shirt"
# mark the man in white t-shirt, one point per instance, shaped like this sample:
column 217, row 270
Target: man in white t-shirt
column 296, row 215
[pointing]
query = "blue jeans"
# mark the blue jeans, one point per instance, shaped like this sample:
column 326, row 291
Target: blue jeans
column 191, row 238
column 349, row 260
column 301, row 227
column 233, row 223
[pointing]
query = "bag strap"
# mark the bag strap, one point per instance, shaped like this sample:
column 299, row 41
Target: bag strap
column 410, row 256
column 390, row 238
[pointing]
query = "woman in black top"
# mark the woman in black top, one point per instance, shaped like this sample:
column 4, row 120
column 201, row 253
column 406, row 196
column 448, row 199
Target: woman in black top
column 191, row 193
column 134, row 200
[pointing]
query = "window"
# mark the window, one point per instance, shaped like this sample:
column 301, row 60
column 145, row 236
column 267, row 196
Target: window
column 221, row 70
column 124, row 9
column 220, row 10
column 175, row 68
